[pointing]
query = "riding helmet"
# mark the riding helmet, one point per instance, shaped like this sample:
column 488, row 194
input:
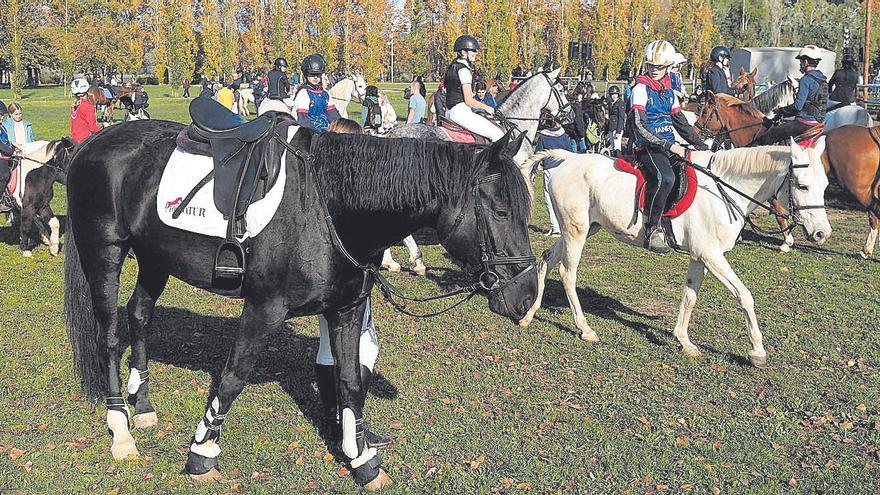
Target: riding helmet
column 280, row 62
column 848, row 59
column 314, row 65
column 811, row 53
column 79, row 87
column 718, row 52
column 466, row 42
column 660, row 52
column 614, row 90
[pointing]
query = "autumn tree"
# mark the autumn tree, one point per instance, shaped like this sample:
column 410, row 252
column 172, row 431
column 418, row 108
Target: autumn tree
column 211, row 40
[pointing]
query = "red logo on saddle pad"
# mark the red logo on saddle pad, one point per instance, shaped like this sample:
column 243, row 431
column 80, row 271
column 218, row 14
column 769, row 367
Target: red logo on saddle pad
column 171, row 205
column 680, row 206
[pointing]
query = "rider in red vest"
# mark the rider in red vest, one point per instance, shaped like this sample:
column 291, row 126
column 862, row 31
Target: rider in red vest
column 83, row 122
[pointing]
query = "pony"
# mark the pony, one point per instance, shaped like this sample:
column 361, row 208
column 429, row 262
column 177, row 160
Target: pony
column 41, row 164
column 345, row 89
column 588, row 193
column 103, row 103
column 245, row 98
column 347, row 198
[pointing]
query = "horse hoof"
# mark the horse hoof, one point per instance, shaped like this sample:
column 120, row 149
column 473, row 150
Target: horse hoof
column 54, row 249
column 213, row 475
column 589, row 336
column 759, row 362
column 785, row 248
column 691, row 351
column 525, row 322
column 145, row 420
column 124, row 450
column 864, row 255
column 381, row 481
column 392, row 267
column 420, row 270
column 27, row 254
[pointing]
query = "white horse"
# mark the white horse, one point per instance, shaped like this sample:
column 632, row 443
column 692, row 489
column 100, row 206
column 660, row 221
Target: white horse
column 588, row 192
column 389, row 115
column 245, row 98
column 345, row 89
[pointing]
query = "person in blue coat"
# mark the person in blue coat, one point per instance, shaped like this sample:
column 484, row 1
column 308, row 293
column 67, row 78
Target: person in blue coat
column 551, row 136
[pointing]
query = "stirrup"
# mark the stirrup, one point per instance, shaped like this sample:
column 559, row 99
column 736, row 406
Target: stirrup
column 235, row 270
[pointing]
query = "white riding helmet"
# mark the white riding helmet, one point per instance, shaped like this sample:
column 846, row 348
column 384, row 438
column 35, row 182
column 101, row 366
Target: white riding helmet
column 679, row 59
column 79, row 87
column 811, row 52
column 660, row 52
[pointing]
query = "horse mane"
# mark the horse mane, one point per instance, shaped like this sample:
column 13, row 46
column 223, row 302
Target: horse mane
column 515, row 95
column 768, row 100
column 360, row 172
column 746, row 161
column 743, row 106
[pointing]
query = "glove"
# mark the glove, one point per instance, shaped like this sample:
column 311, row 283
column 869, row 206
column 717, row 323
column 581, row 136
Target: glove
column 701, row 146
column 768, row 122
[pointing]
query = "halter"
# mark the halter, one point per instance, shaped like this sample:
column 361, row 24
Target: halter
column 488, row 279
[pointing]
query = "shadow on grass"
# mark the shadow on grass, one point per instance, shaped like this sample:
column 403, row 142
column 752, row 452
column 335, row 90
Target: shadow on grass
column 202, row 343
column 10, row 231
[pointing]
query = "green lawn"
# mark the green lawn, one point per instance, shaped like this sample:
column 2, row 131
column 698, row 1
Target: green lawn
column 476, row 404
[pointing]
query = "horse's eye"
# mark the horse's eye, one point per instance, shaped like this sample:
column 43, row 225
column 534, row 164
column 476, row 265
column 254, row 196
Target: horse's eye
column 501, row 214
column 803, row 187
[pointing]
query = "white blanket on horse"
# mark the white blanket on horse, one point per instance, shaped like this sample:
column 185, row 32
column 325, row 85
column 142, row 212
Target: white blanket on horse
column 34, row 151
column 185, row 170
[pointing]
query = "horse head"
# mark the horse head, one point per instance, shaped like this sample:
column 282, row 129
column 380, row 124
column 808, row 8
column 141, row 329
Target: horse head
column 806, row 190
column 59, row 153
column 746, row 80
column 359, row 90
column 486, row 230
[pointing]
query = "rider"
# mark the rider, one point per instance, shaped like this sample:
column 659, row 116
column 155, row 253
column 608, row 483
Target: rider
column 460, row 99
column 843, row 83
column 809, row 104
column 676, row 78
column 312, row 103
column 277, row 89
column 717, row 78
column 7, row 150
column 655, row 113
column 82, row 112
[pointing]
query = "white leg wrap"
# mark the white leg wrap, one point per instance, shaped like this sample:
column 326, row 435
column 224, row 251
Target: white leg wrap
column 210, row 415
column 349, row 434
column 117, row 421
column 366, row 456
column 135, row 380
column 208, row 449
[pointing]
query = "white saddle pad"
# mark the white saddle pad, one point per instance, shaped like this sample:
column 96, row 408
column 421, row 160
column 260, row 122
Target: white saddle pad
column 185, row 170
column 37, row 151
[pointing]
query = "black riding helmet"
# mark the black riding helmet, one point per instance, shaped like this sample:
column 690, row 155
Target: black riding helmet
column 3, row 109
column 466, row 42
column 718, row 52
column 614, row 90
column 280, row 62
column 313, row 65
column 848, row 60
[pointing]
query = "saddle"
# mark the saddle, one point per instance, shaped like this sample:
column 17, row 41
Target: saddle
column 247, row 160
column 683, row 191
column 808, row 137
column 459, row 134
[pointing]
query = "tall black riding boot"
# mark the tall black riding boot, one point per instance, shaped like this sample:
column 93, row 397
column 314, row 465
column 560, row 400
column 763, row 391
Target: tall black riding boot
column 372, row 438
column 326, row 381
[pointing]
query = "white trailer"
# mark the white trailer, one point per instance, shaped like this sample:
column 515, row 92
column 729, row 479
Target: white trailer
column 775, row 64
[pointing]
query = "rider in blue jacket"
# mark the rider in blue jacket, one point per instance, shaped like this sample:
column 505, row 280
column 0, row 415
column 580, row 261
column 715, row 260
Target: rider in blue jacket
column 809, row 105
column 655, row 114
column 312, row 104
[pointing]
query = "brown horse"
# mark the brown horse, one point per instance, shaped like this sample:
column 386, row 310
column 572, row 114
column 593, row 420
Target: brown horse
column 746, row 80
column 851, row 151
column 98, row 98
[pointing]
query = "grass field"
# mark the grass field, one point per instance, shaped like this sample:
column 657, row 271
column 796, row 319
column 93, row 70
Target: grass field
column 476, row 404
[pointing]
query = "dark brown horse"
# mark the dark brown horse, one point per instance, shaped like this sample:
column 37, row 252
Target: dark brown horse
column 851, row 151
column 98, row 98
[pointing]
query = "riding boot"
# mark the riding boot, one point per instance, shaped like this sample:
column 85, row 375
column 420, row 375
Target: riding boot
column 326, row 382
column 372, row 438
column 7, row 202
column 655, row 239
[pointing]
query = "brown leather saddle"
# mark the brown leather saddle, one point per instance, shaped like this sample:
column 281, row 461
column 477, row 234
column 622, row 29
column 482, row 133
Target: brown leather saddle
column 459, row 134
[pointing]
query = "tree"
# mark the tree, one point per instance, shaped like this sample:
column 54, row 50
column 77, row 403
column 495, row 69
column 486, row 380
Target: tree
column 181, row 43
column 211, row 41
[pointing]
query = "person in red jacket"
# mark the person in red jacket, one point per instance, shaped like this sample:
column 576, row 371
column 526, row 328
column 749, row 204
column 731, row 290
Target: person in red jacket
column 83, row 122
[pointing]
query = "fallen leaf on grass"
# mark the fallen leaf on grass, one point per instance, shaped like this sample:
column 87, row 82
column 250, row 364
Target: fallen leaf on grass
column 42, row 427
column 643, row 420
column 524, row 486
column 27, row 467
column 15, row 453
column 292, row 446
column 716, row 490
column 395, row 425
column 475, row 463
column 342, row 472
column 328, row 457
column 861, row 407
column 114, row 491
column 792, row 482
column 506, row 482
column 660, row 487
column 681, row 441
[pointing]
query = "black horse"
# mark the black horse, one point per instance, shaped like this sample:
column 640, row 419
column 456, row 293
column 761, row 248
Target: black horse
column 36, row 220
column 373, row 191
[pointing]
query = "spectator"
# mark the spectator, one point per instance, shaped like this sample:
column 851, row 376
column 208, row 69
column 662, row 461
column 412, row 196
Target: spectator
column 371, row 116
column 345, row 126
column 18, row 130
column 480, row 96
column 417, row 104
column 842, row 84
column 616, row 119
column 440, row 103
column 577, row 129
column 226, row 96
column 551, row 136
column 83, row 122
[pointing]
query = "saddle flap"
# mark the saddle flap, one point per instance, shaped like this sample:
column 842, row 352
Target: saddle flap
column 459, row 134
column 683, row 191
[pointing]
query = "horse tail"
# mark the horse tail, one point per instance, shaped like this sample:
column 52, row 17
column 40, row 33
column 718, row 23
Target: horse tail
column 82, row 327
column 529, row 167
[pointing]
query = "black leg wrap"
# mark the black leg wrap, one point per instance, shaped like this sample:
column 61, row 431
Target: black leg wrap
column 368, row 471
column 199, row 464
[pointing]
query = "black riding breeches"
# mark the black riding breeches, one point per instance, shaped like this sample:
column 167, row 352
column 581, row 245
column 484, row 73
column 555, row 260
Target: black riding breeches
column 659, row 177
column 782, row 132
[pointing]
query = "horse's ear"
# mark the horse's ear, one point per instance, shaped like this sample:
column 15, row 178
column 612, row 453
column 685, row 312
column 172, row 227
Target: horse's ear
column 819, row 145
column 754, row 72
column 498, row 148
column 741, row 71
column 554, row 73
column 514, row 145
column 711, row 95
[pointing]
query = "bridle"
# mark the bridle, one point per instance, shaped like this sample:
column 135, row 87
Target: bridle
column 705, row 131
column 556, row 93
